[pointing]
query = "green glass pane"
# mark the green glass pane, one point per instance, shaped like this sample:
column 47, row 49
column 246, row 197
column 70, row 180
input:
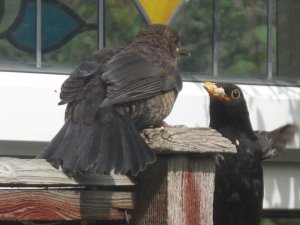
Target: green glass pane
column 24, row 34
column 10, row 12
column 81, row 44
column 242, row 37
column 10, row 55
column 194, row 25
column 75, row 51
column 122, row 22
column 288, row 25
column 57, row 24
column 280, row 221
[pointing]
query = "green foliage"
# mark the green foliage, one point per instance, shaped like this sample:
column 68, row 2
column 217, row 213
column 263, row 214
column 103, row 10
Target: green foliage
column 122, row 22
column 11, row 54
column 241, row 36
column 194, row 24
column 74, row 51
column 267, row 222
column 281, row 221
column 242, row 49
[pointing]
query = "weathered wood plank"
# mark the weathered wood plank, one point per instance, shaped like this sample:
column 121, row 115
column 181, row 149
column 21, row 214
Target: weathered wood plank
column 54, row 205
column 151, row 195
column 172, row 140
column 179, row 187
column 38, row 172
column 175, row 190
column 190, row 191
column 187, row 140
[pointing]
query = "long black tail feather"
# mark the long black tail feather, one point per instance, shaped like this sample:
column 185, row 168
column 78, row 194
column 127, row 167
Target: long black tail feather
column 100, row 148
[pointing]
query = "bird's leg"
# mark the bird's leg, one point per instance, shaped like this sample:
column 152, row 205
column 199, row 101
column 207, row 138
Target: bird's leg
column 219, row 159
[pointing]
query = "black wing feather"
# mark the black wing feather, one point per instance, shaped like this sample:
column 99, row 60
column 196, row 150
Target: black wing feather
column 129, row 77
column 82, row 74
column 275, row 140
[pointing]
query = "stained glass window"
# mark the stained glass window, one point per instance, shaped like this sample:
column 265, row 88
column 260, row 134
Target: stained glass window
column 12, row 52
column 228, row 39
column 242, row 38
column 196, row 36
column 122, row 22
column 69, row 31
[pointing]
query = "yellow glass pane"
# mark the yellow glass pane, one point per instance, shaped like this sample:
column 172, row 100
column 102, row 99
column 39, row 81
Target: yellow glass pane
column 160, row 11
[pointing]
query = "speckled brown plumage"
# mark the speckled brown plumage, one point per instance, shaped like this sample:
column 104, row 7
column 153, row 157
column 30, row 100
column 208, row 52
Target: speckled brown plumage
column 110, row 97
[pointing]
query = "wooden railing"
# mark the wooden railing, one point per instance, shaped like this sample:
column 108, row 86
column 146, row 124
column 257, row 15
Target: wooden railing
column 177, row 189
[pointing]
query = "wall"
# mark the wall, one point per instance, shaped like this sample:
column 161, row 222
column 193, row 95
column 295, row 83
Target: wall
column 30, row 117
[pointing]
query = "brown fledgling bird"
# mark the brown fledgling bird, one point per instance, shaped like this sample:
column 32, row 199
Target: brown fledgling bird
column 111, row 97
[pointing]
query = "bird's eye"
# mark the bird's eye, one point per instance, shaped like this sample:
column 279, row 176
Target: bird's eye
column 235, row 94
column 175, row 40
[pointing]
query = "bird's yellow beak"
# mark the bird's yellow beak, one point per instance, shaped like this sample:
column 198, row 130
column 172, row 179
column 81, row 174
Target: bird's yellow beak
column 215, row 91
column 182, row 52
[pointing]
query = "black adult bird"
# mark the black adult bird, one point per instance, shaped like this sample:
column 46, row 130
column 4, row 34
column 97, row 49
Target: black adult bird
column 239, row 178
column 112, row 96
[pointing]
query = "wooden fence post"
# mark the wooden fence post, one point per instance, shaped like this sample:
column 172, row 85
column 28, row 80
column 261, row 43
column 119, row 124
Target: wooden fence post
column 178, row 188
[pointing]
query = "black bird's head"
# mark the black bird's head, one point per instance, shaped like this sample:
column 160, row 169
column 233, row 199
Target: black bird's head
column 228, row 107
column 163, row 37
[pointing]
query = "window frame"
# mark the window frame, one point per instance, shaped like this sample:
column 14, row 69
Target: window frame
column 193, row 77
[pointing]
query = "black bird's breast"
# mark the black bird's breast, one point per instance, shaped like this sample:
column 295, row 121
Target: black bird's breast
column 149, row 112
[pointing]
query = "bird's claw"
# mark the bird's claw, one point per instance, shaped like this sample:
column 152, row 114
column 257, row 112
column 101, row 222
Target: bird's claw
column 219, row 159
column 150, row 134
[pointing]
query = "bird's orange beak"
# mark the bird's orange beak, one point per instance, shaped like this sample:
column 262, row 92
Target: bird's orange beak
column 215, row 91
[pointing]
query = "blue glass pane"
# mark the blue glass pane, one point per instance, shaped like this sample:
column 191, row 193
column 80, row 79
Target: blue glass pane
column 57, row 24
column 24, row 34
column 77, row 20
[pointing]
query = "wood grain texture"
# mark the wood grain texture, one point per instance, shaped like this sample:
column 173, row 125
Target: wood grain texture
column 151, row 195
column 38, row 172
column 190, row 191
column 187, row 140
column 54, row 205
column 176, row 190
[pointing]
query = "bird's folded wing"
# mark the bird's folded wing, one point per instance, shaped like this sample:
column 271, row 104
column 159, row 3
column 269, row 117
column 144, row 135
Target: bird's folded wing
column 73, row 85
column 130, row 77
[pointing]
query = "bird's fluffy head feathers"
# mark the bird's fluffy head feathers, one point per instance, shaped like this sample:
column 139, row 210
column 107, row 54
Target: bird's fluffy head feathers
column 163, row 37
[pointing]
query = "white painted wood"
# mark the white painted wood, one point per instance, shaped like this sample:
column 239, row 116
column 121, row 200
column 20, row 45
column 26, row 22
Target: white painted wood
column 282, row 185
column 35, row 96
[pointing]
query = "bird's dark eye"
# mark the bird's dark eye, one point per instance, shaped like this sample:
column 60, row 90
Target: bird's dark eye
column 175, row 40
column 235, row 94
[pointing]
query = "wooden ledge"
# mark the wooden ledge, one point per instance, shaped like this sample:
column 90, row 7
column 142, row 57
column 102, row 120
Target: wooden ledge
column 176, row 140
column 170, row 140
column 38, row 172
